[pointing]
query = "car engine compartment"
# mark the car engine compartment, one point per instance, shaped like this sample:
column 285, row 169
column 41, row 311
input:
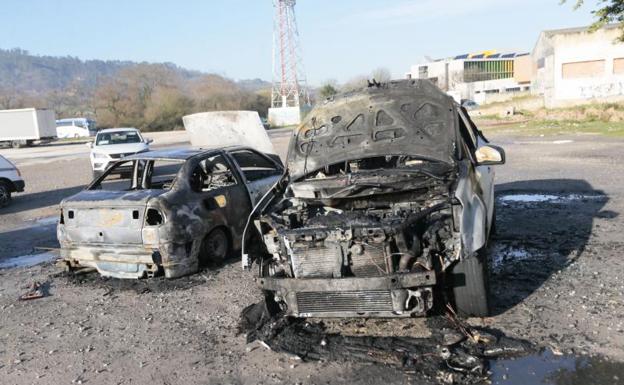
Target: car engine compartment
column 351, row 221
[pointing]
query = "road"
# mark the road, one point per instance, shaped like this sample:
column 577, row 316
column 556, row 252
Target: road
column 557, row 280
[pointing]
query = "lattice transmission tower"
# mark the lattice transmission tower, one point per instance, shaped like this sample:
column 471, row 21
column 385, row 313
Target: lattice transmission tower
column 289, row 82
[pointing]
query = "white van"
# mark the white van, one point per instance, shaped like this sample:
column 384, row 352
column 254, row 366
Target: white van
column 10, row 181
column 75, row 128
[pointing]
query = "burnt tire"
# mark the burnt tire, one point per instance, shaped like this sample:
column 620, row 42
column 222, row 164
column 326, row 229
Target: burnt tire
column 470, row 286
column 215, row 247
column 5, row 194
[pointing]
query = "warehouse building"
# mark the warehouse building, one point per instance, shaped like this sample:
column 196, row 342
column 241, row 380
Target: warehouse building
column 574, row 65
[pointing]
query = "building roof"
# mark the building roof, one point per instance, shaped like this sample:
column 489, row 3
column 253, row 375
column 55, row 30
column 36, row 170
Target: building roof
column 566, row 31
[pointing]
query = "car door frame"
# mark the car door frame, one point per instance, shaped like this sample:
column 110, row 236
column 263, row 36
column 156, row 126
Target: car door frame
column 254, row 199
column 224, row 218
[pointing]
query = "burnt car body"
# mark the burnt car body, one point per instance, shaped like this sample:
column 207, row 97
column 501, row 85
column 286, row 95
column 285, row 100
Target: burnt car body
column 388, row 195
column 173, row 211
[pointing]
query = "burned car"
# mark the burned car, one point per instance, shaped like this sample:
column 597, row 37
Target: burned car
column 387, row 202
column 166, row 211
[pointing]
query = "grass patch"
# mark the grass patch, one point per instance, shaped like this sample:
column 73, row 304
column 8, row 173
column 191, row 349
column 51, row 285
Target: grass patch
column 558, row 127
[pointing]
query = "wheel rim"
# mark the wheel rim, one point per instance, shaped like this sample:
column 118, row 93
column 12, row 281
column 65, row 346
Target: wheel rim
column 216, row 245
column 4, row 196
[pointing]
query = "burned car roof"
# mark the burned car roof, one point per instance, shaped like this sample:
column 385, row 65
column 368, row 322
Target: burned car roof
column 407, row 117
column 179, row 154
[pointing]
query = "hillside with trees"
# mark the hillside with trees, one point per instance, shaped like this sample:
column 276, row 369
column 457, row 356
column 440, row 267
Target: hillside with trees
column 121, row 93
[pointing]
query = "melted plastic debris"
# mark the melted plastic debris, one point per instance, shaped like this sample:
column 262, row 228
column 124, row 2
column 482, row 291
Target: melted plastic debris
column 453, row 352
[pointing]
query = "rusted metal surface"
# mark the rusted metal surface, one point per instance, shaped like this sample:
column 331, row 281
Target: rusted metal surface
column 382, row 191
column 141, row 230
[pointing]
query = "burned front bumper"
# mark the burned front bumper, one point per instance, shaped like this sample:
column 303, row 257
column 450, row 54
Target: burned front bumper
column 397, row 295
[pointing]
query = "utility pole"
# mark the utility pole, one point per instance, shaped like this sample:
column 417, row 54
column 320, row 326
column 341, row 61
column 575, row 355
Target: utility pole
column 290, row 91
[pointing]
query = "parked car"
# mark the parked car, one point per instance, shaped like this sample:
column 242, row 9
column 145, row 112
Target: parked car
column 113, row 144
column 389, row 196
column 175, row 210
column 10, row 181
column 469, row 105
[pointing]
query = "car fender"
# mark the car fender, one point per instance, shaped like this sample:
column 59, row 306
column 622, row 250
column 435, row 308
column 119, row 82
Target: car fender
column 473, row 218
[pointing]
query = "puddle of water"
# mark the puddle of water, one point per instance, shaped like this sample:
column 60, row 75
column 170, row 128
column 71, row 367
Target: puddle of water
column 538, row 198
column 27, row 260
column 502, row 254
column 548, row 369
column 53, row 220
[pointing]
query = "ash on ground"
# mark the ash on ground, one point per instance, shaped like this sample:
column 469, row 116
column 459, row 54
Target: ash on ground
column 453, row 352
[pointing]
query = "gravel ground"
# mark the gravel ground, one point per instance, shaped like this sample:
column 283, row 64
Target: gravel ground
column 557, row 279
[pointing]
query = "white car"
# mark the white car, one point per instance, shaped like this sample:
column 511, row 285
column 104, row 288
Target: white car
column 10, row 181
column 113, row 144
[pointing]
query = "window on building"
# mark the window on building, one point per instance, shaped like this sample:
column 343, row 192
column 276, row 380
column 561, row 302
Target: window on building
column 512, row 89
column 481, row 70
column 618, row 65
column 423, row 72
column 541, row 63
column 583, row 69
column 495, row 91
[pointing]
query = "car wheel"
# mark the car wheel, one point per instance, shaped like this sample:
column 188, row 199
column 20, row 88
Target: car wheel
column 5, row 194
column 18, row 144
column 215, row 247
column 470, row 286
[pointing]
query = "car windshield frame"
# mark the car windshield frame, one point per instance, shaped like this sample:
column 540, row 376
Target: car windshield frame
column 99, row 142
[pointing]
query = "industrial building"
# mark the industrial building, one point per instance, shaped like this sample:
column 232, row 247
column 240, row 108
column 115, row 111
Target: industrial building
column 567, row 67
column 478, row 76
column 575, row 65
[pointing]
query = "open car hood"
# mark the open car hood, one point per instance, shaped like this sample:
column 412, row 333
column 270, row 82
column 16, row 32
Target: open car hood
column 228, row 128
column 408, row 117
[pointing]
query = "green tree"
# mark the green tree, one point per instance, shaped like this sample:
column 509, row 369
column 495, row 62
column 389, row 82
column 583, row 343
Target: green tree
column 328, row 90
column 609, row 11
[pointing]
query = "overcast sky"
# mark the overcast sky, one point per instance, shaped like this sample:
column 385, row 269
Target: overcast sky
column 340, row 38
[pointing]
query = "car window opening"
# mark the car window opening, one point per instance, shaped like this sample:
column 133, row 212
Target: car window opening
column 212, row 173
column 140, row 175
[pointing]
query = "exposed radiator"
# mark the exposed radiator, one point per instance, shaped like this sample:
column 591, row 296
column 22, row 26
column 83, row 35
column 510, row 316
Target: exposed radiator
column 344, row 301
column 317, row 262
column 368, row 261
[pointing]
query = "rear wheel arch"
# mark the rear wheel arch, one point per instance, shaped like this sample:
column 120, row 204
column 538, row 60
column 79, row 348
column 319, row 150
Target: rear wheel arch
column 8, row 182
column 204, row 249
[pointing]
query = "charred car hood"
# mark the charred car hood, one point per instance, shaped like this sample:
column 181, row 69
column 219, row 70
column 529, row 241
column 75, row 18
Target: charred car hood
column 399, row 118
column 87, row 198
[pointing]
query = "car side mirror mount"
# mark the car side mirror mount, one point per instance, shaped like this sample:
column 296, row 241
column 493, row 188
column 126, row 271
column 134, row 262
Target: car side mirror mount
column 149, row 140
column 89, row 144
column 490, row 155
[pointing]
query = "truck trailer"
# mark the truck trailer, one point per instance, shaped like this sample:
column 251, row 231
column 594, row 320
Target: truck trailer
column 26, row 126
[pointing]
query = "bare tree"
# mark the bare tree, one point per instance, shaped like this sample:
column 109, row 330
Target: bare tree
column 381, row 75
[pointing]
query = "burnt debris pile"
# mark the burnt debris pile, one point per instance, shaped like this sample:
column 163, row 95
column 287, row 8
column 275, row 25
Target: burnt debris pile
column 453, row 353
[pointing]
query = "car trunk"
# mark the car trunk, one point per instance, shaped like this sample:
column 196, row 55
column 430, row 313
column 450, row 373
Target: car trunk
column 106, row 217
